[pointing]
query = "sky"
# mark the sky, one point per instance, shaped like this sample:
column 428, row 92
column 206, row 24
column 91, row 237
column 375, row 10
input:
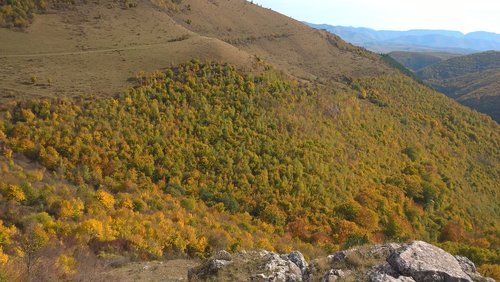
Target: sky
column 461, row 15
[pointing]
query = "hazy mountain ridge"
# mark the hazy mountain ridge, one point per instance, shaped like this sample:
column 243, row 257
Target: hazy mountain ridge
column 416, row 40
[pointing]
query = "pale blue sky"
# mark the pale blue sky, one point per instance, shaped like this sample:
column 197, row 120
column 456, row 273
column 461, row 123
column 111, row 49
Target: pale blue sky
column 465, row 16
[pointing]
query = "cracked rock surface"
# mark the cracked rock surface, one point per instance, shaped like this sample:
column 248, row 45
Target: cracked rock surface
column 425, row 262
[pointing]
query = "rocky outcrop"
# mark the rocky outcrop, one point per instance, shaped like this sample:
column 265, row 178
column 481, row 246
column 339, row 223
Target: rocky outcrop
column 335, row 274
column 281, row 267
column 211, row 267
column 251, row 266
column 470, row 269
column 298, row 259
column 425, row 262
column 414, row 262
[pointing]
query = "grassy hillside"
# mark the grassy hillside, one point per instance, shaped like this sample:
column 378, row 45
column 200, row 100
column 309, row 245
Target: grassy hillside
column 284, row 42
column 88, row 49
column 98, row 48
column 463, row 65
column 472, row 80
column 419, row 60
column 204, row 157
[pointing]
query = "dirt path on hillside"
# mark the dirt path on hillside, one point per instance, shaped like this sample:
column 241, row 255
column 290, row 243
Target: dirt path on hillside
column 71, row 53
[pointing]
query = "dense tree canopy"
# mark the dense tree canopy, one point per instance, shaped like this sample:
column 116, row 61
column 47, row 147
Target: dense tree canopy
column 204, row 156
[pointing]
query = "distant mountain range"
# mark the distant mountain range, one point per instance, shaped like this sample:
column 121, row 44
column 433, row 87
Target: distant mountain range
column 385, row 41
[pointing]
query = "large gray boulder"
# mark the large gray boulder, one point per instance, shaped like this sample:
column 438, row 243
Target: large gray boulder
column 470, row 268
column 299, row 260
column 383, row 272
column 427, row 263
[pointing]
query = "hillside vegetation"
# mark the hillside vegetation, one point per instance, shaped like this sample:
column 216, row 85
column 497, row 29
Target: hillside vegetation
column 472, row 80
column 19, row 13
column 416, row 61
column 204, row 157
column 463, row 65
column 244, row 130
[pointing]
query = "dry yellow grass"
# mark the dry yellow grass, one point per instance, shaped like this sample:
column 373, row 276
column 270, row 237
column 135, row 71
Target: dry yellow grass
column 97, row 48
column 170, row 270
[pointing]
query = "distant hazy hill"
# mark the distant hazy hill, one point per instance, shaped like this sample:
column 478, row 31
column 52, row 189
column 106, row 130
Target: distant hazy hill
column 416, row 40
column 473, row 80
column 416, row 61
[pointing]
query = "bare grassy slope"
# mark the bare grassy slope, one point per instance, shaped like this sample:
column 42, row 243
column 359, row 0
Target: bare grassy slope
column 285, row 42
column 96, row 48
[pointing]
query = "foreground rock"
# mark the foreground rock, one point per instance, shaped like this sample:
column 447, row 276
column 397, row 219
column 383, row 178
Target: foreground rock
column 425, row 262
column 414, row 262
column 251, row 266
column 280, row 267
column 211, row 267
